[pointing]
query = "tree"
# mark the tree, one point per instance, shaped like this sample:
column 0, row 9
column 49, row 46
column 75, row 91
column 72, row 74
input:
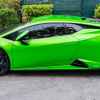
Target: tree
column 8, row 13
column 7, row 18
column 15, row 4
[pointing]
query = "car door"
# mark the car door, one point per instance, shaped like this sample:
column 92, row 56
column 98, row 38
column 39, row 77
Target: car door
column 47, row 45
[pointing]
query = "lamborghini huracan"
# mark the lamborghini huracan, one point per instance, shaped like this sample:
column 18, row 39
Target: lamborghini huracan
column 55, row 42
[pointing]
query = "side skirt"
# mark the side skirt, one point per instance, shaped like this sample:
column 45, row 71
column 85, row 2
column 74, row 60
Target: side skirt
column 79, row 64
column 59, row 68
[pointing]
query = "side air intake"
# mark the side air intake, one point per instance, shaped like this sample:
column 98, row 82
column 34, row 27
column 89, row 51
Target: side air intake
column 79, row 63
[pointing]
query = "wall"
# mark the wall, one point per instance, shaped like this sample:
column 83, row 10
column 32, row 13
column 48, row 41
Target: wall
column 75, row 7
column 67, row 7
column 88, row 7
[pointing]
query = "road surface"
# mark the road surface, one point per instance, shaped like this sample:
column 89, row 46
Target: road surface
column 50, row 86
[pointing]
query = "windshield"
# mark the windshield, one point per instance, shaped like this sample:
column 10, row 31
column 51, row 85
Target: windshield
column 12, row 35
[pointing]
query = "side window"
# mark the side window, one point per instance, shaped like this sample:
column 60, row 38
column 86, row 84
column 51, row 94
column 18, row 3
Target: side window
column 51, row 29
column 65, row 30
column 42, row 33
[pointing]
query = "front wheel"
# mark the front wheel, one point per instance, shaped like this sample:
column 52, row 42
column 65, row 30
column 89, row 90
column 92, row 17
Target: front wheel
column 4, row 63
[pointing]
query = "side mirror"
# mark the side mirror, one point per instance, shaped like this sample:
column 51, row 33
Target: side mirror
column 25, row 42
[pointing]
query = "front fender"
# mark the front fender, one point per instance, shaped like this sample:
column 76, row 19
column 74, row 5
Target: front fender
column 7, row 45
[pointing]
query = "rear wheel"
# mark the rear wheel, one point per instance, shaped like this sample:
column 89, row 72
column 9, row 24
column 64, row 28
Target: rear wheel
column 4, row 63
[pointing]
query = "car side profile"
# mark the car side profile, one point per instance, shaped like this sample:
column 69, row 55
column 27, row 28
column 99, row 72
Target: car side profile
column 54, row 42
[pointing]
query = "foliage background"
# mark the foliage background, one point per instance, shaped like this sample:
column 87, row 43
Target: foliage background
column 97, row 11
column 8, row 14
column 12, row 13
column 36, row 10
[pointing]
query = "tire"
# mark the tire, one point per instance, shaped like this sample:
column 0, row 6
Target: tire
column 4, row 63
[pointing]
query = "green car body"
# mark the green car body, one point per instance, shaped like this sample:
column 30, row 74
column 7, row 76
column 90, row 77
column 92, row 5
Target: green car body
column 79, row 50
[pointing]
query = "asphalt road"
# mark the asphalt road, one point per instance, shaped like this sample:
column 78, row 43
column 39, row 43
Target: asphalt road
column 50, row 86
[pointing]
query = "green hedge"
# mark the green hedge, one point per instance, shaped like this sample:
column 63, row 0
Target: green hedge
column 8, row 18
column 37, row 10
column 97, row 11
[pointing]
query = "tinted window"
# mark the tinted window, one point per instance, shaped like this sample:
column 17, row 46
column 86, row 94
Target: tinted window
column 49, row 30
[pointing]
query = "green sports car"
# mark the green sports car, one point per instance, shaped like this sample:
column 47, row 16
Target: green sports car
column 55, row 42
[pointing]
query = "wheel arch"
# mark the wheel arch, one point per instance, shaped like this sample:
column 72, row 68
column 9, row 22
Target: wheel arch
column 8, row 57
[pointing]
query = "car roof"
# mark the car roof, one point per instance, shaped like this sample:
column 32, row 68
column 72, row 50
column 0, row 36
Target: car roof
column 66, row 18
column 57, row 18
